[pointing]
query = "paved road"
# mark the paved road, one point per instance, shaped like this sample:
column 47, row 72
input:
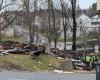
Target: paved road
column 44, row 76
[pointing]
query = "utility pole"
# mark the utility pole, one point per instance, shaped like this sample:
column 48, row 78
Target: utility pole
column 73, row 2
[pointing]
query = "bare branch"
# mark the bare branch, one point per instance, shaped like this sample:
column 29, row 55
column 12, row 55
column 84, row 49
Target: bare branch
column 2, row 7
column 5, row 26
column 1, row 4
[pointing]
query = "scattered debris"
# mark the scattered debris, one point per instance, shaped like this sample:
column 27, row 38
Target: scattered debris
column 61, row 71
column 11, row 47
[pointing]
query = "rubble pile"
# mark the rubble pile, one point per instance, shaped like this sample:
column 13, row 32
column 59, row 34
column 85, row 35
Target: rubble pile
column 11, row 47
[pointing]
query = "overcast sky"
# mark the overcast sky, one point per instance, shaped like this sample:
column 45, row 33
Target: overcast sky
column 86, row 3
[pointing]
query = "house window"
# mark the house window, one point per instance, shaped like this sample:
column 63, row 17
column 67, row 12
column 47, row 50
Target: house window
column 95, row 23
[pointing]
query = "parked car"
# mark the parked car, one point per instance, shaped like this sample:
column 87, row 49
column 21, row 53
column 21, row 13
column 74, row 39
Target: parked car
column 78, row 64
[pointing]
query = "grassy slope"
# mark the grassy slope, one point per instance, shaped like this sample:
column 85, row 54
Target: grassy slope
column 24, row 62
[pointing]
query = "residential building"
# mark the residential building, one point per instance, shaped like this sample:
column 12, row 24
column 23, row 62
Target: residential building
column 83, row 25
column 95, row 23
column 98, row 5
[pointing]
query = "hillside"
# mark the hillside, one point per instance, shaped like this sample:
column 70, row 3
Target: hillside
column 26, row 63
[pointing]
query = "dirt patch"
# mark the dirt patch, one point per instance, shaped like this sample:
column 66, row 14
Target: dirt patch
column 11, row 66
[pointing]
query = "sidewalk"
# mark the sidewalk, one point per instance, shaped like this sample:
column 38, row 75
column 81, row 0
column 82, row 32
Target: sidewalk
column 76, row 71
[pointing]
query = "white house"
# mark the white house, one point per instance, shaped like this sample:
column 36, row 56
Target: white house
column 83, row 25
column 98, row 4
column 60, row 45
column 95, row 23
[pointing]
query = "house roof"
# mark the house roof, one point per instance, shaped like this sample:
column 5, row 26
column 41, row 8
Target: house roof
column 95, row 17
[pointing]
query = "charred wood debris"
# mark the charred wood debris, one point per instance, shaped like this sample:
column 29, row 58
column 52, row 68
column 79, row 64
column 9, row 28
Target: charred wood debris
column 11, row 47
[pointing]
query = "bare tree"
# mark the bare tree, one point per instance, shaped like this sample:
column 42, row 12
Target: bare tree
column 4, row 15
column 27, row 16
column 49, row 26
column 55, row 29
column 53, row 21
column 30, row 17
column 64, row 22
column 35, row 28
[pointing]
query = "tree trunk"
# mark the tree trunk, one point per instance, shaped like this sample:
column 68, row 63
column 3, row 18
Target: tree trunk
column 49, row 26
column 74, row 25
column 30, row 34
column 31, row 28
column 64, row 23
column 65, row 35
column 55, row 32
